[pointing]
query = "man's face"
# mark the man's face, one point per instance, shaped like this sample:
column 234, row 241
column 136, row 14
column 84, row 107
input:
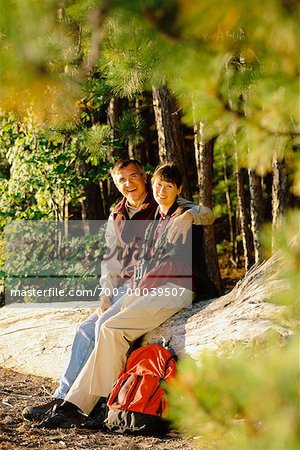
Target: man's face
column 131, row 183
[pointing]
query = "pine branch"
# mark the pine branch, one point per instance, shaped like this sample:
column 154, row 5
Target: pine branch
column 241, row 115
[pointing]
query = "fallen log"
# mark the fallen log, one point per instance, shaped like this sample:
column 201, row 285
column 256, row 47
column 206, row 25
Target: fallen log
column 36, row 339
column 243, row 314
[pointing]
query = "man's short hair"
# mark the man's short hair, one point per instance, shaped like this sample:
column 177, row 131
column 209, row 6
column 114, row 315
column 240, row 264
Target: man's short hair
column 122, row 163
column 168, row 172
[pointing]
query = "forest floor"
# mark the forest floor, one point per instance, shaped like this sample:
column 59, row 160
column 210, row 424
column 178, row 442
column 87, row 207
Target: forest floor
column 18, row 390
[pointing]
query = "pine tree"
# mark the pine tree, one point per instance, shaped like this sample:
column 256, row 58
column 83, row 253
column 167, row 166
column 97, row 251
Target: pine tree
column 256, row 212
column 204, row 163
column 243, row 216
column 279, row 193
column 169, row 132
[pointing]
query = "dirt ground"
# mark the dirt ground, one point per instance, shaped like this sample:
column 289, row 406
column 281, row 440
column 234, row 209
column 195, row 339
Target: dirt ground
column 18, row 390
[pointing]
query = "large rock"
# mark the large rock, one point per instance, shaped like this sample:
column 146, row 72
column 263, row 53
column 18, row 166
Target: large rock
column 36, row 339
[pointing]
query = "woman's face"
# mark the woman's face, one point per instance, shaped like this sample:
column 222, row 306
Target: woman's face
column 165, row 192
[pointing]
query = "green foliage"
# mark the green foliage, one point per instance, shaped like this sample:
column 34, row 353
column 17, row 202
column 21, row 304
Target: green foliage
column 44, row 174
column 94, row 142
column 131, row 127
column 129, row 59
column 80, row 9
column 244, row 399
column 93, row 103
column 245, row 396
column 221, row 61
column 221, row 64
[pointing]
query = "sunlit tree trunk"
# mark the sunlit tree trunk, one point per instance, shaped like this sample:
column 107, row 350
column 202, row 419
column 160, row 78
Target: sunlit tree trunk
column 279, row 193
column 132, row 153
column 238, row 232
column 169, row 133
column 242, row 212
column 230, row 213
column 204, row 162
column 256, row 211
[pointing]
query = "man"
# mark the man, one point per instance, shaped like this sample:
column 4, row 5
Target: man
column 137, row 204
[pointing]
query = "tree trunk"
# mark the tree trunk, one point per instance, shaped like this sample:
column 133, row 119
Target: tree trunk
column 256, row 210
column 150, row 143
column 93, row 202
column 114, row 112
column 243, row 214
column 279, row 194
column 169, row 132
column 238, row 232
column 233, row 243
column 92, row 205
column 105, row 195
column 139, row 151
column 204, row 163
column 107, row 188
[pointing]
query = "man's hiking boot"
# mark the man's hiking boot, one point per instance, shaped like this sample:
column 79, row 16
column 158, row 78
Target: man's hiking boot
column 97, row 415
column 40, row 412
column 65, row 416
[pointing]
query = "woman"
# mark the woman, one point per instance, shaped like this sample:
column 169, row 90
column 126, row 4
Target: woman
column 177, row 263
column 162, row 262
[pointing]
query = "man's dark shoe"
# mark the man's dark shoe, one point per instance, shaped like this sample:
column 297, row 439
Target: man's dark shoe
column 97, row 415
column 65, row 416
column 40, row 412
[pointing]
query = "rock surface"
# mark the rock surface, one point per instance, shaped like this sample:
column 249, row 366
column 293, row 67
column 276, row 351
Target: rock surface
column 36, row 339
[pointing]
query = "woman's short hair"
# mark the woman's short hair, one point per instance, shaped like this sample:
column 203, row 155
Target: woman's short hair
column 168, row 172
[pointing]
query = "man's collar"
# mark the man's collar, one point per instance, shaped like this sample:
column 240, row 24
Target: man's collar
column 135, row 208
column 148, row 201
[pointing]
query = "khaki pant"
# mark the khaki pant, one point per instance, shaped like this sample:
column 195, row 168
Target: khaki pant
column 137, row 316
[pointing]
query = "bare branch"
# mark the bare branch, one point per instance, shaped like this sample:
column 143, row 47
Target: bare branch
column 96, row 21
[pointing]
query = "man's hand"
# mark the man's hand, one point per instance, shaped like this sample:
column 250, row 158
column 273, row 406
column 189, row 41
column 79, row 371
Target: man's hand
column 105, row 303
column 180, row 226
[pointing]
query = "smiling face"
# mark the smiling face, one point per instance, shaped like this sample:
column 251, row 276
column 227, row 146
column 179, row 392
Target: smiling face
column 131, row 183
column 165, row 193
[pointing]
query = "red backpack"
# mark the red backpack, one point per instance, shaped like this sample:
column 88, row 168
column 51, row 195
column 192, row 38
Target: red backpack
column 137, row 403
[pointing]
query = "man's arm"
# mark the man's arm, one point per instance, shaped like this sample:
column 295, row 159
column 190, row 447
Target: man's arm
column 202, row 214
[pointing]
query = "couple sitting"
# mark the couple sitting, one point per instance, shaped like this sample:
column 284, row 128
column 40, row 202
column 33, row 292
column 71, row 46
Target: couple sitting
column 102, row 342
